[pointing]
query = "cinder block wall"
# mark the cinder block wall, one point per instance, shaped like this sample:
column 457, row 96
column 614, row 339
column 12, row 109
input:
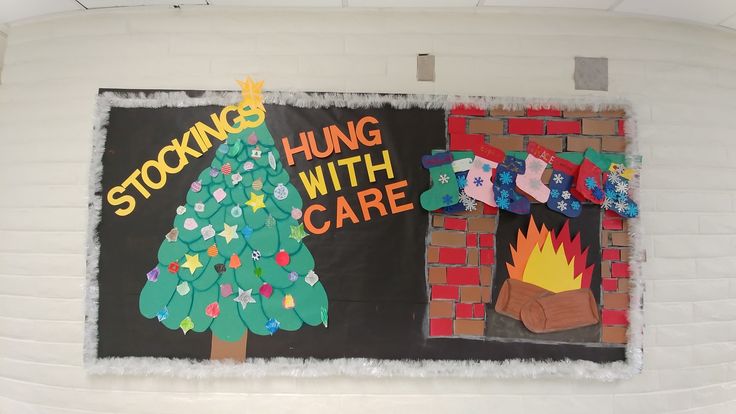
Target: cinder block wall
column 681, row 79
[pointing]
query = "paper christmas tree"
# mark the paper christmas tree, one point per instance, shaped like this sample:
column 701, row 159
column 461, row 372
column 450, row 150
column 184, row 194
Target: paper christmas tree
column 235, row 260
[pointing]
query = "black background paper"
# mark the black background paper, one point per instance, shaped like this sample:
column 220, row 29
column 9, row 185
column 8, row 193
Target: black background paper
column 373, row 272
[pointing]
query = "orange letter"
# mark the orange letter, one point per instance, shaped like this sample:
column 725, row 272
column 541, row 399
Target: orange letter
column 301, row 148
column 344, row 211
column 374, row 134
column 308, row 220
column 375, row 203
column 393, row 196
column 313, row 144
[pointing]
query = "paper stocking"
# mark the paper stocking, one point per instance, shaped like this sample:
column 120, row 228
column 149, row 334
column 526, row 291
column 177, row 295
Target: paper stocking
column 444, row 191
column 536, row 162
column 618, row 189
column 479, row 181
column 504, row 187
column 561, row 198
column 588, row 183
column 465, row 203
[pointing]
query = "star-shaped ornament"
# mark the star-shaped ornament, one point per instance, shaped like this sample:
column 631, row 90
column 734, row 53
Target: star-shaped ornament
column 229, row 233
column 192, row 262
column 255, row 202
column 297, row 232
column 252, row 95
column 244, row 297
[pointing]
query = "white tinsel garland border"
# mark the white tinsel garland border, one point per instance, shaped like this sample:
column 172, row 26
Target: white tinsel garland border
column 355, row 366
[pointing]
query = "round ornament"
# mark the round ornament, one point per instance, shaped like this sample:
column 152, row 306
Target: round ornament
column 282, row 258
column 280, row 192
column 236, row 211
column 296, row 214
column 196, row 186
column 258, row 184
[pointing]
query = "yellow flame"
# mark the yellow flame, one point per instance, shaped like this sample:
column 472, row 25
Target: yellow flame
column 550, row 270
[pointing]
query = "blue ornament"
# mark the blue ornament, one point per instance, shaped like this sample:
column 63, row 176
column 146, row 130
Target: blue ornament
column 162, row 314
column 272, row 325
column 224, row 148
column 247, row 232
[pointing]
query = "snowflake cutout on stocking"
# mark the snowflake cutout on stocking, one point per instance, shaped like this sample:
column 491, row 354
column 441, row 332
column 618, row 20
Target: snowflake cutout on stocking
column 486, row 167
column 562, row 206
column 557, row 178
column 462, row 182
column 566, row 195
column 554, row 193
column 467, row 202
column 478, row 181
column 621, row 206
column 575, row 205
column 613, row 177
column 590, row 183
column 447, row 199
column 503, row 203
column 444, row 179
column 622, row 187
column 607, row 203
column 505, row 178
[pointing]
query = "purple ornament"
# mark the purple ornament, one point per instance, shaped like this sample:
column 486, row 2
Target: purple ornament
column 196, row 186
column 152, row 275
column 214, row 172
column 293, row 276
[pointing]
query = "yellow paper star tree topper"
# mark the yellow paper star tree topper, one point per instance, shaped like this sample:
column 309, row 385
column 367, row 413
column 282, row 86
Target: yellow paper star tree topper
column 252, row 95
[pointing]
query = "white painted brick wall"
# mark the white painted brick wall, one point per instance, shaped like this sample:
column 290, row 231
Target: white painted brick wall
column 680, row 77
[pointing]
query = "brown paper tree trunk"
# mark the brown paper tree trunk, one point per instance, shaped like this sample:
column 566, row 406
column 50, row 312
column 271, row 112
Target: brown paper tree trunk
column 222, row 350
column 514, row 294
column 560, row 311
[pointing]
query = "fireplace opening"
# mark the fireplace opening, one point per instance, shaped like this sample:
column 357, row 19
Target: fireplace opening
column 547, row 281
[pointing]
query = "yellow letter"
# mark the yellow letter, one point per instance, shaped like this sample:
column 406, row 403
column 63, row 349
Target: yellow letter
column 147, row 179
column 350, row 162
column 132, row 179
column 378, row 167
column 314, row 183
column 116, row 201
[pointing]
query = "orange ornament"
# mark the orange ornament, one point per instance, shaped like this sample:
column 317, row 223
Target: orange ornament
column 212, row 251
column 234, row 261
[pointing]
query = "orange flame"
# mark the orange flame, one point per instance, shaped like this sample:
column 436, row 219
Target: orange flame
column 555, row 262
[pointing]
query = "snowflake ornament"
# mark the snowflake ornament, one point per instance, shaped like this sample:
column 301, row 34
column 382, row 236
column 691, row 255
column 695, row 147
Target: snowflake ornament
column 561, row 205
column 622, row 187
column 444, row 179
column 558, row 178
column 505, row 178
column 621, row 206
column 590, row 183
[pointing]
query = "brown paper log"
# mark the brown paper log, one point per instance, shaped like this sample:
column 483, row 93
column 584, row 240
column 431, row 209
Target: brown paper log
column 560, row 311
column 514, row 294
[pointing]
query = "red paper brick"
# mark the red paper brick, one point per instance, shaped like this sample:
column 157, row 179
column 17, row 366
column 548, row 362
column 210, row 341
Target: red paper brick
column 456, row 124
column 463, row 275
column 543, row 112
column 463, row 310
column 621, row 128
column 467, row 110
column 471, row 239
column 613, row 224
column 487, row 257
column 489, row 210
column 563, row 127
column 526, row 126
column 611, row 254
column 452, row 223
column 479, row 310
column 445, row 292
column 486, row 240
column 465, row 142
column 614, row 317
column 620, row 269
column 610, row 285
column 610, row 213
column 440, row 327
column 449, row 255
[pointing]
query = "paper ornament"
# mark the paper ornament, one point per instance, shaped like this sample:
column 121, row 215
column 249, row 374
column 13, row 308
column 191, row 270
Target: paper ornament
column 255, row 153
column 236, row 178
column 258, row 184
column 181, row 210
column 234, row 261
column 244, row 297
column 212, row 251
column 199, row 207
column 152, row 274
column 272, row 325
column 229, row 233
column 246, row 232
column 190, row 224
column 226, row 168
column 252, row 139
column 226, row 289
column 280, row 192
column 208, row 232
column 212, row 310
column 288, row 302
column 162, row 314
column 223, row 149
column 256, row 201
column 219, row 194
column 220, row 268
column 235, row 149
column 196, row 186
column 266, row 290
column 271, row 161
column 311, row 278
column 183, row 288
column 256, row 255
column 172, row 235
column 173, row 267
column 282, row 258
column 293, row 276
column 214, row 172
column 297, row 232
column 296, row 213
column 248, row 166
column 186, row 325
column 192, row 263
column 236, row 211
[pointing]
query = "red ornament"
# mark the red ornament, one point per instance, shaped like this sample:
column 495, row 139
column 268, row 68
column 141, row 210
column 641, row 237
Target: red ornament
column 173, row 267
column 282, row 258
column 266, row 290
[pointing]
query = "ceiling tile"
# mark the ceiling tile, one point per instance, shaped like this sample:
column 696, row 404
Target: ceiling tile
column 412, row 3
column 703, row 11
column 730, row 23
column 98, row 4
column 12, row 10
column 572, row 4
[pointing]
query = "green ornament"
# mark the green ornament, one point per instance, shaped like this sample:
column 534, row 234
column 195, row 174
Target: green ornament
column 187, row 325
column 235, row 149
column 297, row 232
column 323, row 315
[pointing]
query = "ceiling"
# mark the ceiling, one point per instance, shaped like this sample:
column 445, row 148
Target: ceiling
column 720, row 13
